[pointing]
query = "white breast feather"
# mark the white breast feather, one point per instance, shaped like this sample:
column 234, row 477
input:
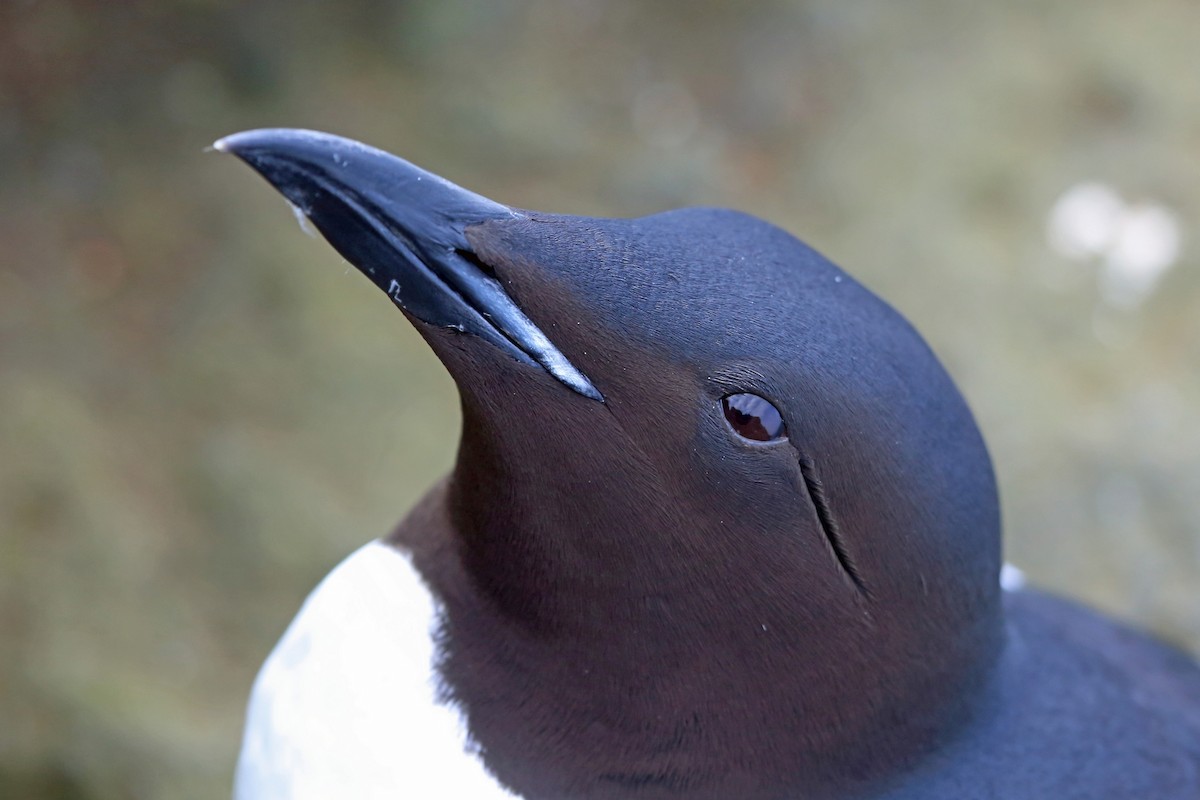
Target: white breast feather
column 345, row 705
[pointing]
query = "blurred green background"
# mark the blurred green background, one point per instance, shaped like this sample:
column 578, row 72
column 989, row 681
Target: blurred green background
column 202, row 409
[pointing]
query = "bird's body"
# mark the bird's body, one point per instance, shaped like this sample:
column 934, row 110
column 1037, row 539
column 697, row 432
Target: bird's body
column 720, row 527
column 351, row 704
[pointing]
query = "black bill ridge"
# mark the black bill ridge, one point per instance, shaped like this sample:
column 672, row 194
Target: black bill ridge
column 404, row 228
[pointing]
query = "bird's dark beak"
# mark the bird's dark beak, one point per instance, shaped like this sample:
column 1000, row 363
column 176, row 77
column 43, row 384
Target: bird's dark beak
column 404, row 228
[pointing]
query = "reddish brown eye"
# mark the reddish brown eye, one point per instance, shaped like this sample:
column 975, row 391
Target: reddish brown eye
column 753, row 417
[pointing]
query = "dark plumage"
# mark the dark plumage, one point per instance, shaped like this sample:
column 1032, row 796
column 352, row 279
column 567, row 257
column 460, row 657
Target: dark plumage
column 639, row 602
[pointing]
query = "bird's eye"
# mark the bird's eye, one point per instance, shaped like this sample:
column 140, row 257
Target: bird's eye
column 753, row 417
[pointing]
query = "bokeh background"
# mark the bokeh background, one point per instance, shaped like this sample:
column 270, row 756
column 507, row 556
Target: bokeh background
column 202, row 409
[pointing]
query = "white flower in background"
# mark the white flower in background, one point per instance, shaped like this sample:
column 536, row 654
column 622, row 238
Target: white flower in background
column 1134, row 243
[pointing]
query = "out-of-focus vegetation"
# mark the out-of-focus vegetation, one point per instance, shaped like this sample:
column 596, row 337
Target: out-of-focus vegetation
column 202, row 410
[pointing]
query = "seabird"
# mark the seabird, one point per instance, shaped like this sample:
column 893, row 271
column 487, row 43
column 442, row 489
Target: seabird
column 720, row 527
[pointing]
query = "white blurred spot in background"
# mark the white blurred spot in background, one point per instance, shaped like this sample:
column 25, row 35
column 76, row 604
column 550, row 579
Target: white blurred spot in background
column 1132, row 244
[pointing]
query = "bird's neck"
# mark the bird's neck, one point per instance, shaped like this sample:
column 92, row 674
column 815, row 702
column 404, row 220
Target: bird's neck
column 596, row 699
column 591, row 644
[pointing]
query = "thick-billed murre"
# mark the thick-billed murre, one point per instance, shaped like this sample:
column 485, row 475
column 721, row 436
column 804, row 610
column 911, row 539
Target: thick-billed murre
column 720, row 528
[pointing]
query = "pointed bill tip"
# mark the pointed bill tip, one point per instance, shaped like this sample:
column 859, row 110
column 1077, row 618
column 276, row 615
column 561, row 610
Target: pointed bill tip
column 272, row 138
column 292, row 143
